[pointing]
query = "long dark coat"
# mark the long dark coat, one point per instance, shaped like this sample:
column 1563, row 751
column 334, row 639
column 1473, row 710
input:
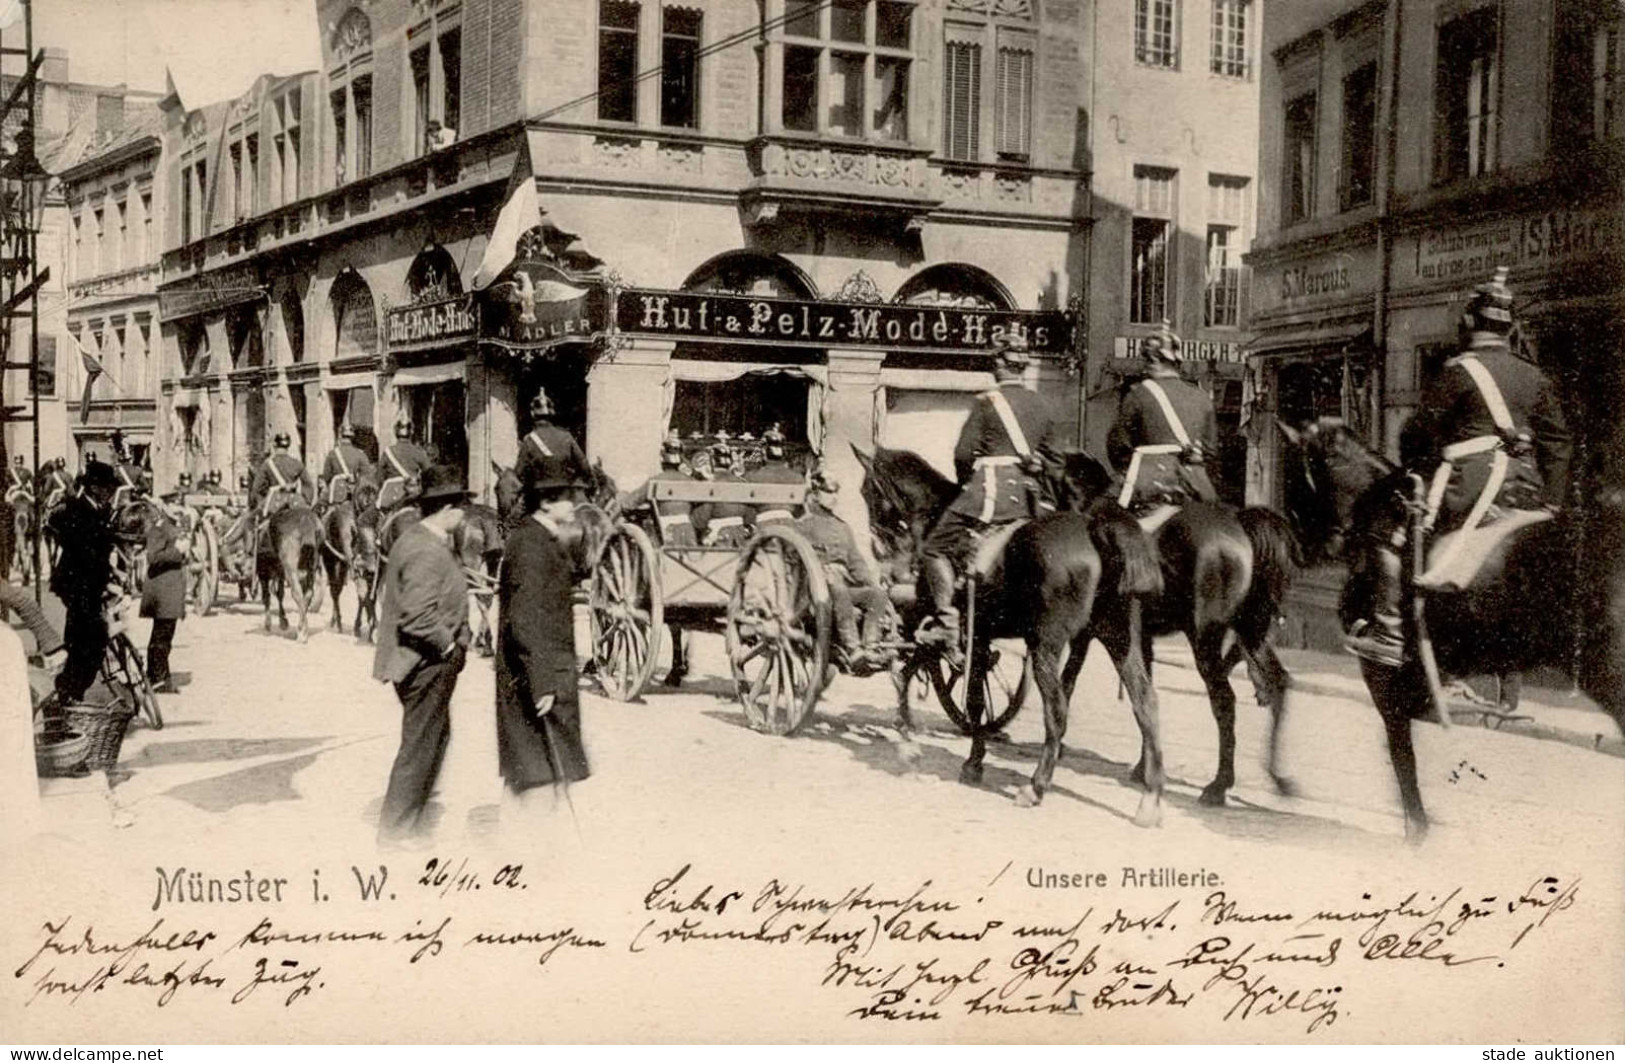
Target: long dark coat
column 84, row 566
column 163, row 595
column 536, row 656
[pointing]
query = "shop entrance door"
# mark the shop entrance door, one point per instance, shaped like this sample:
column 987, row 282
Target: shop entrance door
column 437, row 417
column 564, row 376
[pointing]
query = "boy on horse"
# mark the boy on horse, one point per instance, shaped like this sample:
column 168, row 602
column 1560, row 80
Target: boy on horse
column 1164, row 431
column 1489, row 436
column 401, row 464
column 999, row 459
column 345, row 467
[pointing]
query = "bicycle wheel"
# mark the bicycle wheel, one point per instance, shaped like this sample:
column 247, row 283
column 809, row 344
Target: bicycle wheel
column 122, row 667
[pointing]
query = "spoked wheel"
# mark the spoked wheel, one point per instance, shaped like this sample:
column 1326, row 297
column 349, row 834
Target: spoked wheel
column 122, row 667
column 1006, row 682
column 778, row 630
column 205, row 566
column 628, row 615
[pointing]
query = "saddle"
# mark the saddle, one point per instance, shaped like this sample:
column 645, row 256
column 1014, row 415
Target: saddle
column 1455, row 559
column 990, row 549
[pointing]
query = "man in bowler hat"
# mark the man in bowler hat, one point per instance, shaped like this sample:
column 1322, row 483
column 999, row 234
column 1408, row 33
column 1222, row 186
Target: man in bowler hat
column 80, row 578
column 423, row 638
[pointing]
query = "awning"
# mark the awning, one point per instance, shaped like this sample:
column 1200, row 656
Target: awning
column 935, row 379
column 346, row 381
column 414, row 375
column 1312, row 338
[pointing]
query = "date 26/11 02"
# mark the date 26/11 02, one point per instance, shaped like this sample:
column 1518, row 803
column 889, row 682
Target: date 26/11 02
column 443, row 875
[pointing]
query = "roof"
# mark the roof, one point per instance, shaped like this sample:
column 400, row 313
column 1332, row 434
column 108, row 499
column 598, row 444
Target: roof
column 142, row 120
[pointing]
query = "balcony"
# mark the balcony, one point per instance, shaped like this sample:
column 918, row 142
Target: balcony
column 797, row 175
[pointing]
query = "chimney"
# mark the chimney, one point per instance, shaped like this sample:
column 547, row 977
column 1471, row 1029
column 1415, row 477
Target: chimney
column 55, row 67
column 109, row 114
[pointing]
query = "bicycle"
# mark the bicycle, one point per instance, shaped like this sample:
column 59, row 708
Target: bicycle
column 123, row 668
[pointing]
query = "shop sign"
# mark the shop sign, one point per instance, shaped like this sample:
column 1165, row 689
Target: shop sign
column 1554, row 238
column 1189, row 350
column 536, row 305
column 717, row 318
column 430, row 323
column 1327, row 279
column 209, row 291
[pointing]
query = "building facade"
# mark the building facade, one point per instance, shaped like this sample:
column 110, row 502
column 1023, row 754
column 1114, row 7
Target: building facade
column 1174, row 155
column 1406, row 151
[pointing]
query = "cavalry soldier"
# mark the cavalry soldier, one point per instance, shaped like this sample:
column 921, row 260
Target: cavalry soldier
column 999, row 456
column 345, row 467
column 401, row 464
column 676, row 527
column 852, row 585
column 776, row 470
column 133, row 482
column 1489, row 436
column 546, row 445
column 1164, row 433
column 55, row 483
column 18, row 482
column 280, row 480
column 722, row 523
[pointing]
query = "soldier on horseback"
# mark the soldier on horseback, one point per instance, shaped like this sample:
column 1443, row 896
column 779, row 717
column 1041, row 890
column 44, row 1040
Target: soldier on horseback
column 19, row 483
column 1489, row 437
column 1164, row 432
column 402, row 463
column 278, row 482
column 999, row 459
column 55, row 483
column 132, row 478
column 546, row 445
column 345, row 467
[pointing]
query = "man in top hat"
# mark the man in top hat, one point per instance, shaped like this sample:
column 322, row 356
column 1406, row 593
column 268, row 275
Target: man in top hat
column 1163, row 435
column 853, row 588
column 423, row 638
column 775, row 470
column 401, row 463
column 538, row 712
column 1010, row 434
column 1489, row 436
column 345, row 467
column 163, row 593
column 80, row 578
column 676, row 525
column 547, row 448
column 18, row 481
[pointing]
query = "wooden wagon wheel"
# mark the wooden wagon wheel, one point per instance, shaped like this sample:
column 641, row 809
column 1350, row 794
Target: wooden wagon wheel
column 778, row 630
column 205, row 567
column 1006, row 683
column 628, row 614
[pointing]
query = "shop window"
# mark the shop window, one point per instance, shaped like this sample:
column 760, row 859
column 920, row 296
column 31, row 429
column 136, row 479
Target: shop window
column 847, row 66
column 1588, row 79
column 1229, row 47
column 45, row 371
column 1466, row 86
column 1298, row 183
column 618, row 61
column 1156, row 33
column 1151, row 236
column 1013, row 94
column 1359, row 138
column 680, row 68
column 436, row 412
column 354, row 407
column 962, row 93
column 355, row 318
column 751, row 403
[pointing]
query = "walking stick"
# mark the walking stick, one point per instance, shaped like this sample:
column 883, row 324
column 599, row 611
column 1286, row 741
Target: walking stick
column 561, row 783
column 1438, row 712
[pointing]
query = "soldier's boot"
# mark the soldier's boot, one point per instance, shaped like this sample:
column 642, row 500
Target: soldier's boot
column 1380, row 637
column 942, row 628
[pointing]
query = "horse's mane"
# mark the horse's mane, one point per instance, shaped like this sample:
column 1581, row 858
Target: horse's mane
column 890, row 474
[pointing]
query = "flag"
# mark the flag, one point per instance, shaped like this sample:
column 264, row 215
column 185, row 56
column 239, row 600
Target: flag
column 521, row 213
column 93, row 369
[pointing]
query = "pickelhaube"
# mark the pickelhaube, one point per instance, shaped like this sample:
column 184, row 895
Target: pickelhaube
column 281, row 440
column 823, row 483
column 403, row 430
column 347, row 431
column 671, row 448
column 183, row 481
column 1490, row 308
column 242, row 481
column 541, row 405
column 1161, row 345
column 1012, row 350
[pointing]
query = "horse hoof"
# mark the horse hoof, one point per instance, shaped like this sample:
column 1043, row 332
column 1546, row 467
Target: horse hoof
column 1027, row 797
column 971, row 775
column 1416, row 831
column 1137, row 776
column 1286, row 786
column 1149, row 814
column 1213, row 795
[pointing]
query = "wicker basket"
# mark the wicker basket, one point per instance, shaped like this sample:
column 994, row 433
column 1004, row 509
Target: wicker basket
column 61, row 756
column 103, row 727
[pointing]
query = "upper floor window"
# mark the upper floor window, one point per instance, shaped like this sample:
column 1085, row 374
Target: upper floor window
column 1298, row 183
column 1359, row 168
column 435, row 62
column 1588, row 78
column 1466, row 88
column 99, row 259
column 618, row 61
column 962, row 92
column 78, row 267
column 121, row 240
column 1229, row 55
column 847, row 66
column 1013, row 94
column 680, row 67
column 1151, row 238
column 350, row 97
column 287, row 182
column 148, row 248
column 1156, row 33
column 1226, row 242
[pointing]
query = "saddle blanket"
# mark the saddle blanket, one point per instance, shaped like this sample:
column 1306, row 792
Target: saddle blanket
column 1455, row 559
column 990, row 549
column 1157, row 518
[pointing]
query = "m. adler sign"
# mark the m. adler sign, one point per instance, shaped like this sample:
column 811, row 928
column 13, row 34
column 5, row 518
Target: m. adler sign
column 719, row 318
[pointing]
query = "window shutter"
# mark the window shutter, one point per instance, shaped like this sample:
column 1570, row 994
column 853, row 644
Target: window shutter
column 1014, row 94
column 962, row 93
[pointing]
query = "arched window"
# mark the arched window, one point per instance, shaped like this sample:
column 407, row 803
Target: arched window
column 752, row 273
column 433, row 275
column 349, row 80
column 293, row 324
column 355, row 318
column 955, row 284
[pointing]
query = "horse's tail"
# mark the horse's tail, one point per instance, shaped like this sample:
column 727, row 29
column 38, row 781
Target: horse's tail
column 1125, row 547
column 1276, row 559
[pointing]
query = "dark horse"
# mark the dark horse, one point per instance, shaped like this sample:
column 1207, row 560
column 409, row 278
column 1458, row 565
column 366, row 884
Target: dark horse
column 1064, row 580
column 1530, row 604
column 346, row 550
column 1225, row 574
column 287, row 561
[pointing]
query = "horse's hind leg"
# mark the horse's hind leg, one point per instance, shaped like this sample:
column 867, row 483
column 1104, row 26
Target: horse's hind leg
column 1126, row 643
column 1274, row 685
column 1208, row 647
column 1045, row 660
column 1399, row 695
column 337, row 572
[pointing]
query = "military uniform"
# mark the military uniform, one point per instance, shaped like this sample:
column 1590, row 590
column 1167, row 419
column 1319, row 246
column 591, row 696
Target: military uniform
column 1165, row 428
column 1455, row 436
column 17, row 483
column 674, row 518
column 852, row 586
column 277, row 482
column 132, row 484
column 724, row 523
column 55, row 485
column 402, row 463
column 775, row 472
column 344, row 460
column 541, row 451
